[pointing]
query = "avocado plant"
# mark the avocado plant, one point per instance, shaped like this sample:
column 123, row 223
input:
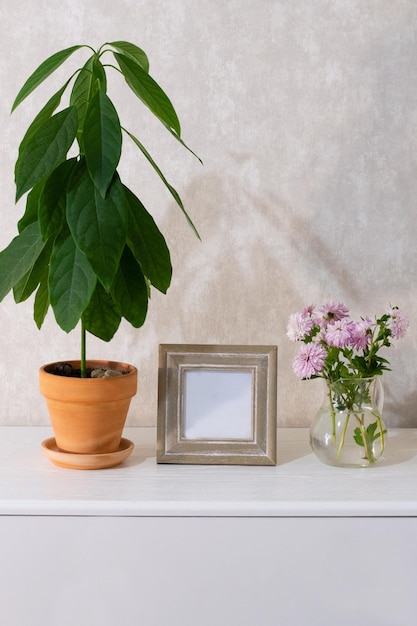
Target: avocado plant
column 86, row 245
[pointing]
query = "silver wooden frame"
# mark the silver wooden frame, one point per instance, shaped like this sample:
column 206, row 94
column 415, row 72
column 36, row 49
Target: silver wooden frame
column 175, row 361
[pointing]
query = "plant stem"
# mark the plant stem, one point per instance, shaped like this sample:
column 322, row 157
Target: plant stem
column 369, row 455
column 381, row 431
column 83, row 351
column 342, row 438
column 333, row 413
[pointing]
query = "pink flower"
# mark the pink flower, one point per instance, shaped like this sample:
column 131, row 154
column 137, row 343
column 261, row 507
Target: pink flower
column 361, row 333
column 308, row 310
column 299, row 326
column 397, row 323
column 309, row 360
column 339, row 334
column 334, row 311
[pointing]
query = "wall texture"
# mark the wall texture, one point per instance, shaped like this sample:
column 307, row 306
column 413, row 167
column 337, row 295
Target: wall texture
column 304, row 114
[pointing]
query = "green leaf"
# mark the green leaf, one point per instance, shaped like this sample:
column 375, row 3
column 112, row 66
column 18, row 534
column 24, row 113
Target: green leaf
column 98, row 226
column 19, row 257
column 170, row 188
column 149, row 92
column 148, row 244
column 27, row 285
column 91, row 77
column 99, row 75
column 371, row 430
column 130, row 291
column 32, row 207
column 44, row 70
column 371, row 434
column 101, row 318
column 41, row 304
column 133, row 52
column 45, row 149
column 71, row 282
column 52, row 201
column 43, row 115
column 102, row 141
column 357, row 436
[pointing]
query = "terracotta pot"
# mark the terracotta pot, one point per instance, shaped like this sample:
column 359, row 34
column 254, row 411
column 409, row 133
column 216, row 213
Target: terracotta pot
column 88, row 414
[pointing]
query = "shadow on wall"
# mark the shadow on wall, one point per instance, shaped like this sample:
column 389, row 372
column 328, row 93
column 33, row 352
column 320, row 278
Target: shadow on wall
column 335, row 220
column 260, row 259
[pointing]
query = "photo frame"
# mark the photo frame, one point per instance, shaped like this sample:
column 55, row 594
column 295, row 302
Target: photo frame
column 217, row 404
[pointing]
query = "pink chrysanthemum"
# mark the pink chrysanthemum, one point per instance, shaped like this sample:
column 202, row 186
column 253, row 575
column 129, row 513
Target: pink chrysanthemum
column 308, row 310
column 339, row 334
column 361, row 333
column 309, row 360
column 397, row 323
column 334, row 311
column 299, row 326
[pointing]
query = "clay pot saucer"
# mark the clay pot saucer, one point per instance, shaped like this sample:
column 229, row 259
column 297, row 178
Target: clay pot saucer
column 73, row 460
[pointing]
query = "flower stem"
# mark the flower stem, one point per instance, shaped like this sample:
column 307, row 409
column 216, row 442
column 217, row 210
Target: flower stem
column 369, row 455
column 342, row 438
column 382, row 433
column 333, row 413
column 381, row 430
column 83, row 351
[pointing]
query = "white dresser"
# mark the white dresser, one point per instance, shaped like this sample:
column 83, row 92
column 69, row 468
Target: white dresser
column 299, row 544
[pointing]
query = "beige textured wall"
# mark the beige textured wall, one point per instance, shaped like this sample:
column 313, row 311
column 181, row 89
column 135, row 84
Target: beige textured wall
column 305, row 114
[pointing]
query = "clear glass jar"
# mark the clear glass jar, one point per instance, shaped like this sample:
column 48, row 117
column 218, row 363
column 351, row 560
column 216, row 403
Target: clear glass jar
column 348, row 429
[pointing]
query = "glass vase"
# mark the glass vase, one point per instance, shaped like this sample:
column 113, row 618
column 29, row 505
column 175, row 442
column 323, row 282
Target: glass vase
column 348, row 430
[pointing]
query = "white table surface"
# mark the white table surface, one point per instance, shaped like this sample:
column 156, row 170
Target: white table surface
column 299, row 485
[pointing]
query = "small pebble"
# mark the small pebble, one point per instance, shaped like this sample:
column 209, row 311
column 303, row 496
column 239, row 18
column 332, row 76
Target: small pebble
column 112, row 373
column 98, row 373
column 65, row 369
